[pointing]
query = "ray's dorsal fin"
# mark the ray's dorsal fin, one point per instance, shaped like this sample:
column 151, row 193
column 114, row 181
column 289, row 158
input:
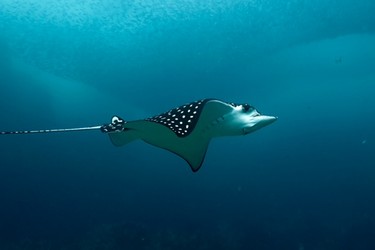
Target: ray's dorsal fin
column 116, row 132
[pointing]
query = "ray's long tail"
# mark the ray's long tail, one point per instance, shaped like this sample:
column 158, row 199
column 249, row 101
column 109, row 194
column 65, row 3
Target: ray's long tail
column 116, row 125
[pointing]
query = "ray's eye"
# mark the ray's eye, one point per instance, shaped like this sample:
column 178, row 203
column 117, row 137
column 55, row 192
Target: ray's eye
column 246, row 107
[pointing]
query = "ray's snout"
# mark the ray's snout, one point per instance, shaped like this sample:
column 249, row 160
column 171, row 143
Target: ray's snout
column 266, row 119
column 258, row 122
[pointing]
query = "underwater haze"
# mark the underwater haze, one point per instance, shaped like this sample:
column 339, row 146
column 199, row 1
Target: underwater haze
column 306, row 182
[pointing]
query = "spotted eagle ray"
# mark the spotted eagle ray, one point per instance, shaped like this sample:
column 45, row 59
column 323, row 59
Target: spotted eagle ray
column 186, row 130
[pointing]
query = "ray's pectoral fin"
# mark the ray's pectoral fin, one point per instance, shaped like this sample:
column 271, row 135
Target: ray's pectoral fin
column 192, row 151
column 191, row 148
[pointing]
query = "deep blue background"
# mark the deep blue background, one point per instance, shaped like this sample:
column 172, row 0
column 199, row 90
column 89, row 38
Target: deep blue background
column 305, row 182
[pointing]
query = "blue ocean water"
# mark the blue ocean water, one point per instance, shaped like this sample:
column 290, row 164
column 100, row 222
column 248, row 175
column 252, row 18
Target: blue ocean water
column 305, row 182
